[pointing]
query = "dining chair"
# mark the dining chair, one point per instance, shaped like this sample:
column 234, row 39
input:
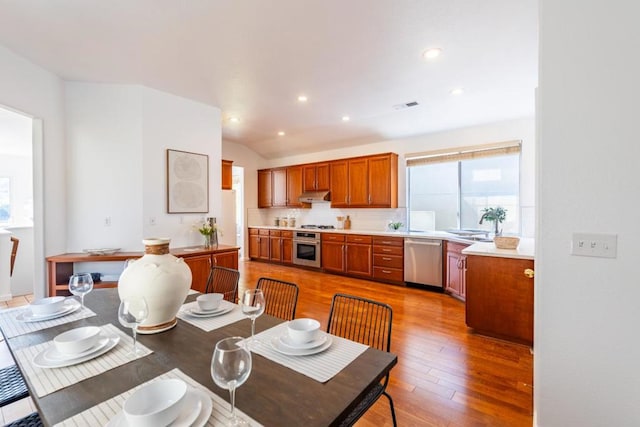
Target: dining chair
column 223, row 280
column 367, row 322
column 14, row 389
column 14, row 251
column 281, row 298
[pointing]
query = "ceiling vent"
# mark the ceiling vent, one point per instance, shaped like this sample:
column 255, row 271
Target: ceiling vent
column 405, row 105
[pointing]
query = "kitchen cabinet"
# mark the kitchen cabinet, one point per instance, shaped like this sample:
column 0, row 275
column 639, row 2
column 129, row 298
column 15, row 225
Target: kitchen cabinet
column 455, row 270
column 275, row 245
column 359, row 255
column 315, row 177
column 388, row 259
column 264, row 188
column 280, row 188
column 227, row 174
column 332, row 252
column 365, row 182
column 259, row 244
column 499, row 297
column 199, row 260
column 287, row 247
column 294, row 187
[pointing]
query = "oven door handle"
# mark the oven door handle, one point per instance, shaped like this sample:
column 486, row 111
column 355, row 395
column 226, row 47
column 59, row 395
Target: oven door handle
column 307, row 242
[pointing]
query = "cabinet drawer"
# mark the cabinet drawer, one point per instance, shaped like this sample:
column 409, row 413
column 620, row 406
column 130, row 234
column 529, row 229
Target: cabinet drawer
column 357, row 238
column 253, row 231
column 328, row 237
column 390, row 261
column 390, row 274
column 388, row 250
column 275, row 233
column 263, row 232
column 288, row 234
column 388, row 241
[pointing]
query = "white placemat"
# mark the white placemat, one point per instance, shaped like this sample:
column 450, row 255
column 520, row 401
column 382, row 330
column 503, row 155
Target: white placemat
column 210, row 323
column 100, row 415
column 321, row 366
column 46, row 380
column 13, row 327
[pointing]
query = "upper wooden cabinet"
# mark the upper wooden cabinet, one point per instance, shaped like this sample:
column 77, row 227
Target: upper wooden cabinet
column 315, row 177
column 280, row 188
column 227, row 174
column 365, row 182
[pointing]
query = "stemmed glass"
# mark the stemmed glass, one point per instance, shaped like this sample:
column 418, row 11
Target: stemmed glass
column 81, row 284
column 252, row 304
column 230, row 368
column 131, row 313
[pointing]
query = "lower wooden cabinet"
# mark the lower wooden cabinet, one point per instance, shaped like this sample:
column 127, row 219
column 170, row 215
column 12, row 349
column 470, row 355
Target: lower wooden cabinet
column 271, row 245
column 359, row 255
column 388, row 259
column 455, row 266
column 287, row 247
column 500, row 297
column 332, row 252
column 200, row 266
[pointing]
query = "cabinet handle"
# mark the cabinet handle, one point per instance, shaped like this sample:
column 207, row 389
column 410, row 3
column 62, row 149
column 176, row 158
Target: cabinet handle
column 386, row 271
column 386, row 243
column 529, row 273
column 386, row 259
column 386, row 250
column 369, row 198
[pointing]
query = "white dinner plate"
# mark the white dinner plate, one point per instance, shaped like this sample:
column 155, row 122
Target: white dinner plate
column 277, row 346
column 42, row 362
column 70, row 305
column 196, row 412
column 53, row 355
column 224, row 308
column 285, row 341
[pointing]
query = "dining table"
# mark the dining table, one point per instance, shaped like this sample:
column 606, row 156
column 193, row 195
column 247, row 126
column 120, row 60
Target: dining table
column 274, row 394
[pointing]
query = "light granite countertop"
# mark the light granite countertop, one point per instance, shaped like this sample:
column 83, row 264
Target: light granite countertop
column 525, row 250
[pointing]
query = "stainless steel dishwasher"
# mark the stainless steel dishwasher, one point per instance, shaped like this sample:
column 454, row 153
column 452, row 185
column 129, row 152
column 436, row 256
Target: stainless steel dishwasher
column 423, row 262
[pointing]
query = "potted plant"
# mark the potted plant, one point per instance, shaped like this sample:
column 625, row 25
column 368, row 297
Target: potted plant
column 496, row 215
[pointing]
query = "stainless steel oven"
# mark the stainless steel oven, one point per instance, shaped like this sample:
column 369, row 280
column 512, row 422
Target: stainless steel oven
column 306, row 248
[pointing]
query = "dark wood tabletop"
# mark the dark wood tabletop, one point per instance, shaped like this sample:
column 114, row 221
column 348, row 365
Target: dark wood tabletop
column 274, row 395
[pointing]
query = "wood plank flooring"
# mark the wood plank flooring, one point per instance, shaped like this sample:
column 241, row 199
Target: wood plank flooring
column 446, row 375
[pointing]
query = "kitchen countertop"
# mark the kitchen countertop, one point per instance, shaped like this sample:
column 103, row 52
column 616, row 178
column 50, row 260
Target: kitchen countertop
column 525, row 249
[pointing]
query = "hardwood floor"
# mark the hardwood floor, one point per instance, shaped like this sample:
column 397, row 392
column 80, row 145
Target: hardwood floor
column 446, row 375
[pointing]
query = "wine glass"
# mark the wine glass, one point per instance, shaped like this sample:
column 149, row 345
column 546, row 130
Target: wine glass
column 81, row 284
column 252, row 304
column 230, row 368
column 131, row 313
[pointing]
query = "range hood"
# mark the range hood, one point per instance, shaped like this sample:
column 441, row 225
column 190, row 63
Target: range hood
column 314, row 196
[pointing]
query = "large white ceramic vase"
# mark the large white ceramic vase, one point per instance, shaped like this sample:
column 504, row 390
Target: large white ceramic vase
column 162, row 279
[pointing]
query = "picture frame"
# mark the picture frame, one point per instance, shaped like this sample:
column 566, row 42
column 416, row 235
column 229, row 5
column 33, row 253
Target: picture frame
column 187, row 182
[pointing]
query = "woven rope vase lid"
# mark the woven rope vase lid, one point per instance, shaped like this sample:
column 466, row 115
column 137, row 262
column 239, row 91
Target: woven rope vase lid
column 156, row 245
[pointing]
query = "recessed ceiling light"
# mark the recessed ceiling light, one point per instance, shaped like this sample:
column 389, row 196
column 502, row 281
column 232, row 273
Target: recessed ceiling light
column 302, row 98
column 234, row 119
column 432, row 53
column 346, row 118
column 457, row 91
column 281, row 133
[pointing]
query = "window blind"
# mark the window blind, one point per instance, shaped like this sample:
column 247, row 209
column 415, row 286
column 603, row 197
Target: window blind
column 463, row 153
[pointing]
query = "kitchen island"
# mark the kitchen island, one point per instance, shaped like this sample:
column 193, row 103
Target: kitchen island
column 499, row 290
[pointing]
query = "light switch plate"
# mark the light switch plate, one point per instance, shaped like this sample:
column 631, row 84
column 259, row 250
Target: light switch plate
column 595, row 245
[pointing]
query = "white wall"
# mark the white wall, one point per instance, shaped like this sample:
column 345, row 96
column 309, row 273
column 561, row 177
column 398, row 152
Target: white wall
column 587, row 345
column 37, row 92
column 118, row 137
column 19, row 169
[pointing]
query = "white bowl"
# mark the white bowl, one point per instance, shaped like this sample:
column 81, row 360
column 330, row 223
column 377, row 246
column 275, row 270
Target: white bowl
column 46, row 306
column 303, row 330
column 208, row 302
column 77, row 340
column 156, row 404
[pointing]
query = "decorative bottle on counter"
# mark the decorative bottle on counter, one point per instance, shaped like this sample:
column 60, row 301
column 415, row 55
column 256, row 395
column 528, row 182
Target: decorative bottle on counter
column 347, row 223
column 162, row 279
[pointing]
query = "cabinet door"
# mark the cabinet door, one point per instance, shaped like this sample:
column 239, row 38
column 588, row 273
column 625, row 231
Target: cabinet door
column 254, row 246
column 309, row 178
column 200, row 266
column 264, row 188
column 226, row 259
column 294, row 186
column 279, row 187
column 275, row 245
column 358, row 183
column 227, row 174
column 333, row 256
column 381, row 190
column 339, row 183
column 263, row 245
column 359, row 259
column 323, row 181
column 453, row 283
column 287, row 250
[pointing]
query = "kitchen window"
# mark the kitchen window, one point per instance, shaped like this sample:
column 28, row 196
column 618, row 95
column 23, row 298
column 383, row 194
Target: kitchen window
column 448, row 189
column 5, row 200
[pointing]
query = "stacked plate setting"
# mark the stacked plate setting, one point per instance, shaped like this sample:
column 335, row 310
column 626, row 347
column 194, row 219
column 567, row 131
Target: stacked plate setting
column 75, row 346
column 197, row 311
column 303, row 338
column 48, row 309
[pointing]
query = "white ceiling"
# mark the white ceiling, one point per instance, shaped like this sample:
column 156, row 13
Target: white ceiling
column 252, row 58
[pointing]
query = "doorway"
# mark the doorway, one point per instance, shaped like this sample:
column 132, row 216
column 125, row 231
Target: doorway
column 238, row 186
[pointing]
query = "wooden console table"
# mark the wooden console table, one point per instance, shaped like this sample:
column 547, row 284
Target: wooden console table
column 199, row 259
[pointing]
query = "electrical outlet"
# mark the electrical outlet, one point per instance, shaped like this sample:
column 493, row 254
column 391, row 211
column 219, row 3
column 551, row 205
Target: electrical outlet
column 152, row 220
column 595, row 245
column 107, row 221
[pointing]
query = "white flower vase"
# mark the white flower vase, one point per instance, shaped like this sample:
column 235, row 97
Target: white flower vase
column 162, row 279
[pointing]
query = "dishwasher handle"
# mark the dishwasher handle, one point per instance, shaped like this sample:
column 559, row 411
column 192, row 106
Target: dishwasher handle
column 422, row 243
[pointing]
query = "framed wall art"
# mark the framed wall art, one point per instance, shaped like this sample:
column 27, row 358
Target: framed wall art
column 187, row 182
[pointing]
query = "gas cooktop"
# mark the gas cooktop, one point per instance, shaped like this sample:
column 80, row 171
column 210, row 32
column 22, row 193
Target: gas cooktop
column 320, row 227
